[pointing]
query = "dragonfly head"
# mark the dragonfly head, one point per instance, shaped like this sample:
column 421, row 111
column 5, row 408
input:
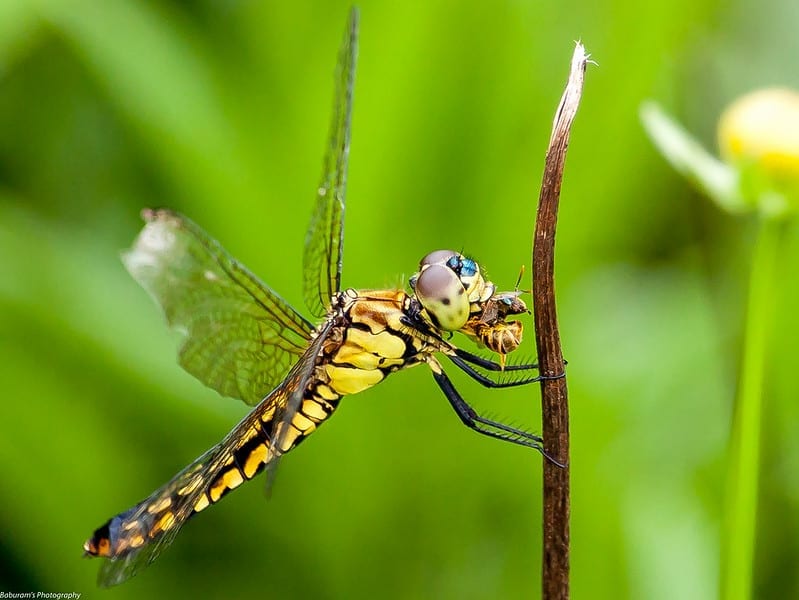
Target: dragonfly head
column 448, row 284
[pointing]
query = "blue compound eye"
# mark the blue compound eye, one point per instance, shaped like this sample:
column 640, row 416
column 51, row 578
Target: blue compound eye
column 467, row 271
column 468, row 267
column 463, row 267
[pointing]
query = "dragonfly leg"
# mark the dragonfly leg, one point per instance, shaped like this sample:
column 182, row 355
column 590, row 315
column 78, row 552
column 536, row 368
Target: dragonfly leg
column 487, row 381
column 490, row 365
column 473, row 421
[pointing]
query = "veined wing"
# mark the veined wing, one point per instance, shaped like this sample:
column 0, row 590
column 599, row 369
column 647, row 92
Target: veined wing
column 325, row 237
column 135, row 538
column 241, row 338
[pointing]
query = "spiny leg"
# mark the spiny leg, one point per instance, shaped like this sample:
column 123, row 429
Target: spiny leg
column 473, row 421
column 487, row 381
column 490, row 365
column 461, row 358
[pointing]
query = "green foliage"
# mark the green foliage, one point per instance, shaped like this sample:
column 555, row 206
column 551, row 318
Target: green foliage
column 757, row 135
column 220, row 110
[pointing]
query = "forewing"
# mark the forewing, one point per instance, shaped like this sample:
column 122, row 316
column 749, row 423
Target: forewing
column 241, row 338
column 325, row 237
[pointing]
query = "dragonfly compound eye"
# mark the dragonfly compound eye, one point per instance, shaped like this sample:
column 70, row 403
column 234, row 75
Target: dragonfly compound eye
column 437, row 257
column 441, row 292
column 466, row 269
column 468, row 272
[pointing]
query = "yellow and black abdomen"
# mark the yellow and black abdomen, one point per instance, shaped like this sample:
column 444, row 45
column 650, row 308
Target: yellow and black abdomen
column 238, row 458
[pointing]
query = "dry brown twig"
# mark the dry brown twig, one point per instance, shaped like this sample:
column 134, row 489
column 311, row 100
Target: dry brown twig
column 554, row 399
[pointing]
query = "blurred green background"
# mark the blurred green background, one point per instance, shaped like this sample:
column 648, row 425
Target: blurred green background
column 219, row 109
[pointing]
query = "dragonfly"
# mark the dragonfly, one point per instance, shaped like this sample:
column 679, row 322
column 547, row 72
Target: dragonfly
column 244, row 341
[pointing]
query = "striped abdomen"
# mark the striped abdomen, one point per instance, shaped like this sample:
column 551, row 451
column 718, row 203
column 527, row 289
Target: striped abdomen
column 238, row 458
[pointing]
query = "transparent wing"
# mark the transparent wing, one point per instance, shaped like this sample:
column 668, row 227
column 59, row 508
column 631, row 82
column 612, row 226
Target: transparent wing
column 241, row 338
column 135, row 538
column 325, row 237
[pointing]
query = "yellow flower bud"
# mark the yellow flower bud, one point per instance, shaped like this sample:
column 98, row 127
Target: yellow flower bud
column 759, row 133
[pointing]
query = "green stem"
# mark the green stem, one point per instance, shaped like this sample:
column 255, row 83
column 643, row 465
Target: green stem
column 740, row 511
